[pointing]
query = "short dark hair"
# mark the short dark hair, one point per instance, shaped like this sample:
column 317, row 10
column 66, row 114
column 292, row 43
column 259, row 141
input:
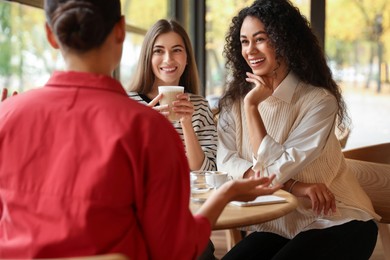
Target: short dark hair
column 82, row 25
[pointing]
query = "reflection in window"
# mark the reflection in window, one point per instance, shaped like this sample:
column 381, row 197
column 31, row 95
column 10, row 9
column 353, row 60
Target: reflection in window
column 130, row 56
column 26, row 58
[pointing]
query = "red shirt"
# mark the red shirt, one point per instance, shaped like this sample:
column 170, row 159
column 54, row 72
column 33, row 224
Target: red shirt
column 85, row 170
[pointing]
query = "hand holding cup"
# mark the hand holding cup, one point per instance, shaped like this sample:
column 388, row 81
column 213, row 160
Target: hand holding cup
column 169, row 95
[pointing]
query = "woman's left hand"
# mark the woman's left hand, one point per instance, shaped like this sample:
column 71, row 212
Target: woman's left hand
column 263, row 88
column 322, row 199
column 184, row 108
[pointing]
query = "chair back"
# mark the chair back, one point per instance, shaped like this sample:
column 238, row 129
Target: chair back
column 371, row 165
column 379, row 153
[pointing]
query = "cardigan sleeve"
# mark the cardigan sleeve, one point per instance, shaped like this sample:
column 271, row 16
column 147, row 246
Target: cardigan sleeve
column 228, row 157
column 169, row 228
column 302, row 146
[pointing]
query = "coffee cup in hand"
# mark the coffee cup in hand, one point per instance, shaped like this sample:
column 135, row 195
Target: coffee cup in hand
column 169, row 95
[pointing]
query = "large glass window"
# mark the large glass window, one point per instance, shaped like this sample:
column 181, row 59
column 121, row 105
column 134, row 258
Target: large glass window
column 143, row 14
column 218, row 18
column 140, row 15
column 26, row 58
column 131, row 51
column 357, row 48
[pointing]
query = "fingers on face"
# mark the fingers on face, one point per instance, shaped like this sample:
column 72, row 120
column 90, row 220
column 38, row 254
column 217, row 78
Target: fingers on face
column 254, row 81
column 256, row 78
column 253, row 76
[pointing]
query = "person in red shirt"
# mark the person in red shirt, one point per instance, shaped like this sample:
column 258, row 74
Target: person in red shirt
column 85, row 170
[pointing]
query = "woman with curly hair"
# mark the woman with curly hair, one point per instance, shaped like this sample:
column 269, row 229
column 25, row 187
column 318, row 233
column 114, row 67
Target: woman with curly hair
column 278, row 115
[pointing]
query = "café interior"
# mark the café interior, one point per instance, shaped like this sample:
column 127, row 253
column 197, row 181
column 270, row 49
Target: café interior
column 207, row 35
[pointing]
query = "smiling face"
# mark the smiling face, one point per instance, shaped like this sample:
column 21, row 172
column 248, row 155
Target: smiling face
column 169, row 59
column 256, row 47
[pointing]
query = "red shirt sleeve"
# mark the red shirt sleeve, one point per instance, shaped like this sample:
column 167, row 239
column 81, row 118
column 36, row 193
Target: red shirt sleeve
column 162, row 199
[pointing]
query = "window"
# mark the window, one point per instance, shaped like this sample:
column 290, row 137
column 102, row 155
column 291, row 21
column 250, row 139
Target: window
column 26, row 58
column 356, row 50
column 131, row 51
column 355, row 46
column 140, row 15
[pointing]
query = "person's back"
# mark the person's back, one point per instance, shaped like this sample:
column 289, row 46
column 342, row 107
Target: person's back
column 84, row 170
column 79, row 157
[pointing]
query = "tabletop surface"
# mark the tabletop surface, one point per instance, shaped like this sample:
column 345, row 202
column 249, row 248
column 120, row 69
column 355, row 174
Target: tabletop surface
column 235, row 216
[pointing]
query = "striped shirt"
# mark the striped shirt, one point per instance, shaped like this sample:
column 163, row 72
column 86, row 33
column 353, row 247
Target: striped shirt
column 203, row 124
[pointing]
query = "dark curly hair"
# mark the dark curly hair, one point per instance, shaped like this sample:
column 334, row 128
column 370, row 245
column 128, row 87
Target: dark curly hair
column 290, row 34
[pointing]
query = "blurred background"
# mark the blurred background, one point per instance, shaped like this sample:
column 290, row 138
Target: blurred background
column 355, row 35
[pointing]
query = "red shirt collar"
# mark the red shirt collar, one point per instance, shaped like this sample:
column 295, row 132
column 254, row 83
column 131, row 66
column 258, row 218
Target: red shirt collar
column 84, row 80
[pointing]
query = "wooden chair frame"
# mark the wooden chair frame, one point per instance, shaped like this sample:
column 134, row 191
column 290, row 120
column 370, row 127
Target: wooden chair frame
column 379, row 153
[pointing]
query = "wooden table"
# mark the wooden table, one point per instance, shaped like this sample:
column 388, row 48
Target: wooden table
column 233, row 217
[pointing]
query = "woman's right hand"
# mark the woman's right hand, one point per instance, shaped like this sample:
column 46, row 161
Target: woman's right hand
column 248, row 189
column 241, row 190
column 262, row 89
column 164, row 109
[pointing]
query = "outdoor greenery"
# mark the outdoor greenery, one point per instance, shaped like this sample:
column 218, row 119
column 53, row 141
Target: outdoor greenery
column 25, row 55
column 357, row 38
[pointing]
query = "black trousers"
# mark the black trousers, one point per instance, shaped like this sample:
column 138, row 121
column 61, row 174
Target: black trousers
column 208, row 253
column 354, row 240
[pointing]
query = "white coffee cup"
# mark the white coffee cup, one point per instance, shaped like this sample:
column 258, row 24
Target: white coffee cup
column 200, row 188
column 169, row 95
column 217, row 178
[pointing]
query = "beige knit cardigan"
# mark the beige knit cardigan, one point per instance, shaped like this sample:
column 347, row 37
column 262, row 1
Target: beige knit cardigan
column 329, row 168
